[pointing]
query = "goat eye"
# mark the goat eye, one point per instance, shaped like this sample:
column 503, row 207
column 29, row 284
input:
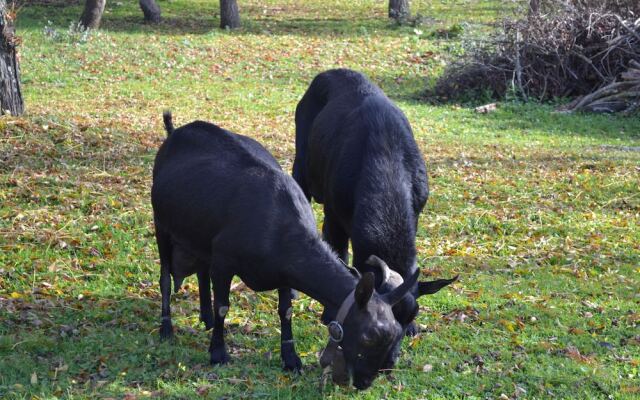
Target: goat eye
column 360, row 356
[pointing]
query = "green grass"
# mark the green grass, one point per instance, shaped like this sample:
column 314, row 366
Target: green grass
column 538, row 212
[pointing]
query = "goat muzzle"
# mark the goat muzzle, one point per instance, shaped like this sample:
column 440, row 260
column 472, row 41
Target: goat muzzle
column 332, row 354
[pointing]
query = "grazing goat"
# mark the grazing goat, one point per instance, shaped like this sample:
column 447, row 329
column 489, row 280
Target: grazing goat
column 223, row 198
column 355, row 153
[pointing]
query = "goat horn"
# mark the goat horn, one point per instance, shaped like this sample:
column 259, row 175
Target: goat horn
column 375, row 261
column 398, row 293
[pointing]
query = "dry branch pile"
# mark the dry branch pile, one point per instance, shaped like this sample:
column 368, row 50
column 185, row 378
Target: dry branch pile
column 620, row 96
column 570, row 48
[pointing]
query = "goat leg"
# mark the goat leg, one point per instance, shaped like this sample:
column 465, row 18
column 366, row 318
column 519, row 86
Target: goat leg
column 335, row 236
column 221, row 287
column 165, row 249
column 290, row 360
column 338, row 239
column 412, row 329
column 204, row 288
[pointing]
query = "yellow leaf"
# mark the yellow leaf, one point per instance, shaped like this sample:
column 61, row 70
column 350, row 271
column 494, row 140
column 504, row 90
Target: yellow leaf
column 16, row 295
column 508, row 325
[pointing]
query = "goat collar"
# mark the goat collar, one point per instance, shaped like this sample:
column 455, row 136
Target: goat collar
column 336, row 332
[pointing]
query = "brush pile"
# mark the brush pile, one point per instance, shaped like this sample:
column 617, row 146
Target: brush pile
column 566, row 48
column 623, row 95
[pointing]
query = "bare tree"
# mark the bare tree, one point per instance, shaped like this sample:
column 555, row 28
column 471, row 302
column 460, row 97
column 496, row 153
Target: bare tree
column 229, row 14
column 10, row 94
column 399, row 10
column 151, row 11
column 92, row 14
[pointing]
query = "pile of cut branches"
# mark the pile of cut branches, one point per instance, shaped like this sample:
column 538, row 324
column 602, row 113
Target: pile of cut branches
column 568, row 48
column 620, row 96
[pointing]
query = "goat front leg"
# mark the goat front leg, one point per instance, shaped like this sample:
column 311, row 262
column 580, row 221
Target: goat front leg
column 221, row 287
column 290, row 360
column 333, row 234
column 412, row 329
column 338, row 239
column 204, row 289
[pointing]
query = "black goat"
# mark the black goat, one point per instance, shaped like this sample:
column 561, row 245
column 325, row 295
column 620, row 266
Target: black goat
column 355, row 153
column 182, row 265
column 223, row 198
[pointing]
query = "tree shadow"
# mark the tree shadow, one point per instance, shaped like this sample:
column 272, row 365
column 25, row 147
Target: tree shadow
column 198, row 22
column 305, row 27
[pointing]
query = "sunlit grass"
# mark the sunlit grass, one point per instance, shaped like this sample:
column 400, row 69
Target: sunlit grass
column 537, row 211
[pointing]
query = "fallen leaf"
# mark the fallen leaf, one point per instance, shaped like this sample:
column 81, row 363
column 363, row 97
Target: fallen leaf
column 508, row 325
column 203, row 390
column 574, row 354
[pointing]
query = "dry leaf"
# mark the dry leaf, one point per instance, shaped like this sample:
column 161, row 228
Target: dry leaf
column 573, row 353
column 203, row 390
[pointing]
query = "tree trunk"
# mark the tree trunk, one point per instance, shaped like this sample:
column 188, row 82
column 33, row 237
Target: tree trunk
column 92, row 13
column 399, row 10
column 229, row 14
column 10, row 94
column 151, row 11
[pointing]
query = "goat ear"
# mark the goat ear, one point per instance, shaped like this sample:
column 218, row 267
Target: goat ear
column 364, row 289
column 376, row 262
column 432, row 287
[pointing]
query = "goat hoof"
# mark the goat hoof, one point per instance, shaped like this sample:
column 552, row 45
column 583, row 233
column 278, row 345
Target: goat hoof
column 219, row 356
column 412, row 330
column 166, row 330
column 292, row 363
column 208, row 321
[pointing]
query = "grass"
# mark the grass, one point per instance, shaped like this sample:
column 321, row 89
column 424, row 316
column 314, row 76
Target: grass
column 538, row 212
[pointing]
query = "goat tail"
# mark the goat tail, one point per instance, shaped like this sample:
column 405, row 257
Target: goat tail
column 168, row 122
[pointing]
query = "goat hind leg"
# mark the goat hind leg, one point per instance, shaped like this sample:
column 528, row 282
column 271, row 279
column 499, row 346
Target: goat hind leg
column 204, row 289
column 165, row 249
column 221, row 287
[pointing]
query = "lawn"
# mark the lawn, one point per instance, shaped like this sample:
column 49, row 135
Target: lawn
column 538, row 212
